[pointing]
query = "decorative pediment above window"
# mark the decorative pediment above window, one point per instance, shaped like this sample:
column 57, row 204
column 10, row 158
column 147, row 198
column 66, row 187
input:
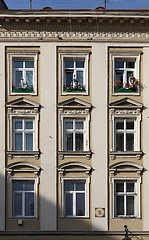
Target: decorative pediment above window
column 74, row 106
column 125, row 106
column 125, row 117
column 74, row 167
column 22, row 167
column 22, row 106
column 23, row 117
column 74, row 115
column 125, row 167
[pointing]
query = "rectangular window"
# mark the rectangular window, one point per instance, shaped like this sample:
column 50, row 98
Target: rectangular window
column 74, row 195
column 74, row 75
column 23, row 198
column 124, row 135
column 23, row 134
column 23, row 75
column 125, row 198
column 74, row 130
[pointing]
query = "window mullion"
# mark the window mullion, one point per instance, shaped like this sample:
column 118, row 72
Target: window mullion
column 23, row 203
column 125, row 135
column 74, row 203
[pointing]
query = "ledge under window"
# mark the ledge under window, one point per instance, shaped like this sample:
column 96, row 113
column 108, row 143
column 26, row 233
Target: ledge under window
column 137, row 154
column 71, row 154
column 12, row 154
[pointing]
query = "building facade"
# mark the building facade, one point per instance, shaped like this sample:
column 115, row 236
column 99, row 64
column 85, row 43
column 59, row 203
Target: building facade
column 74, row 124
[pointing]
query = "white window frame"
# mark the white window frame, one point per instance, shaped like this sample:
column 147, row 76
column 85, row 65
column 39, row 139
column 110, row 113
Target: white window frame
column 86, row 119
column 75, row 179
column 23, row 131
column 137, row 119
column 137, row 206
column 74, row 131
column 10, row 182
column 125, row 131
column 125, row 56
column 74, row 55
column 22, row 55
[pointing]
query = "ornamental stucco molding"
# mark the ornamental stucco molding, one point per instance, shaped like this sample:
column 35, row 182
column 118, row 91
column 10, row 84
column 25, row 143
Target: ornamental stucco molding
column 22, row 111
column 125, row 111
column 76, row 34
column 76, row 112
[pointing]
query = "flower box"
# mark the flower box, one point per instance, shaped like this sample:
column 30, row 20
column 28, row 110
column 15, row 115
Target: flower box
column 75, row 90
column 125, row 90
column 22, row 90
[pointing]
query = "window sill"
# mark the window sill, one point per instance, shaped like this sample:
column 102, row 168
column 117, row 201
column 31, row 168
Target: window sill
column 63, row 154
column 137, row 154
column 125, row 217
column 126, row 90
column 75, row 218
column 22, row 90
column 12, row 154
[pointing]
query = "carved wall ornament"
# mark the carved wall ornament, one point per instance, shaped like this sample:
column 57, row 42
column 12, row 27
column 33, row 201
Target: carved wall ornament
column 126, row 111
column 75, row 112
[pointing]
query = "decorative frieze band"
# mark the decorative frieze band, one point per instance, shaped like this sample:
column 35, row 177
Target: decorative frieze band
column 126, row 111
column 96, row 34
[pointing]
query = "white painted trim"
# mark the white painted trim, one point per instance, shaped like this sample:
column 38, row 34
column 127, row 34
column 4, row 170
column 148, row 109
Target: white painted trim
column 10, row 195
column 87, row 195
column 22, row 54
column 75, row 55
column 123, row 55
column 138, row 196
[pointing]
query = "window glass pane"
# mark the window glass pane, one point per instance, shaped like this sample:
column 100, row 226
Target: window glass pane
column 29, row 125
column 18, row 185
column 120, row 205
column 119, row 142
column 69, row 77
column 119, row 187
column 18, row 76
column 130, row 124
column 18, row 64
column 29, row 64
column 79, row 142
column 18, row 124
column 69, row 186
column 80, row 64
column 79, row 125
column 119, row 64
column 120, row 125
column 29, row 78
column 17, row 204
column 80, row 204
column 80, row 186
column 130, row 64
column 29, row 141
column 69, row 64
column 80, row 77
column 68, row 204
column 118, row 79
column 18, row 141
column 69, row 141
column 130, row 205
column 29, row 186
column 130, row 187
column 69, row 125
column 29, row 204
column 129, row 142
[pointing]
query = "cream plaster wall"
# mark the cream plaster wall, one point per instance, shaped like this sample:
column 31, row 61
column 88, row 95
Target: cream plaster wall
column 48, row 128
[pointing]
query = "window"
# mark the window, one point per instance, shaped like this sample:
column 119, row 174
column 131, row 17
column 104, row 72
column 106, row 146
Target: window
column 23, row 134
column 74, row 75
column 23, row 79
column 74, row 71
column 23, row 198
column 125, row 198
column 125, row 72
column 22, row 71
column 74, row 198
column 74, row 134
column 124, row 134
